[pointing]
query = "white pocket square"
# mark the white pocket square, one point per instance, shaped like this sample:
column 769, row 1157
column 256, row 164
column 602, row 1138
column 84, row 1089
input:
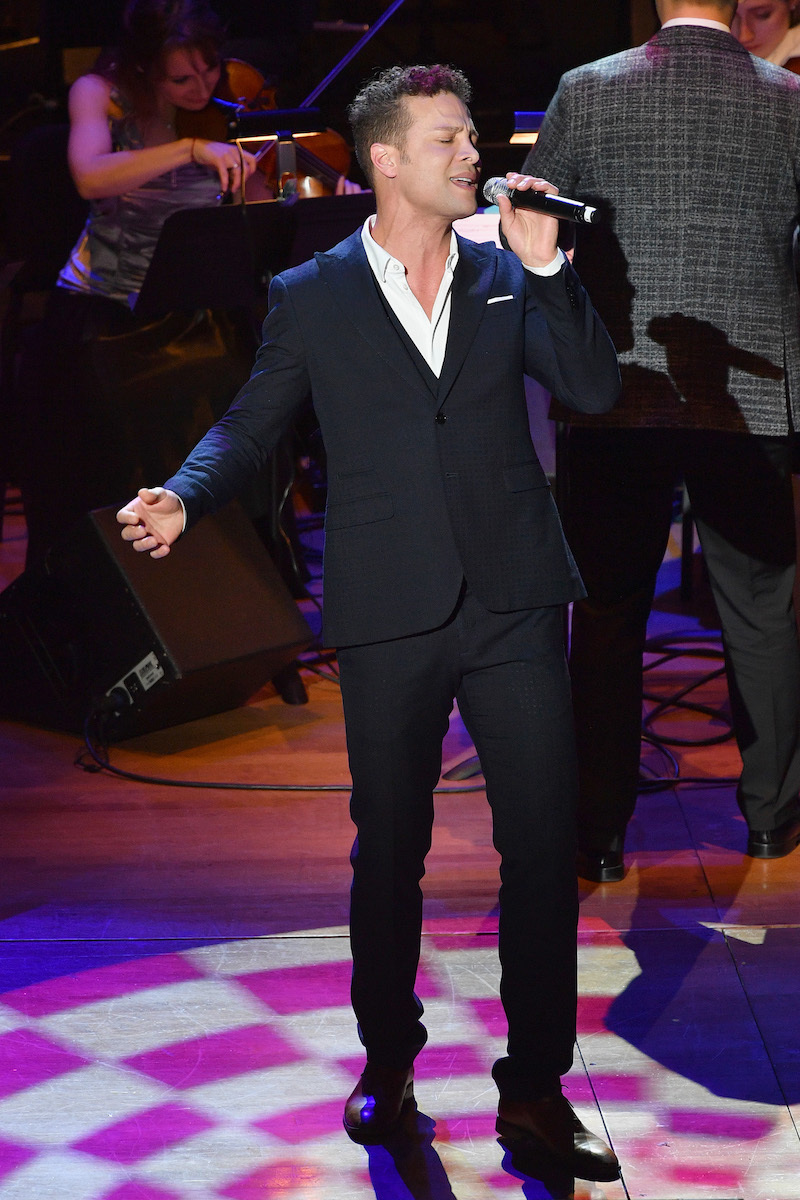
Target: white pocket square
column 498, row 299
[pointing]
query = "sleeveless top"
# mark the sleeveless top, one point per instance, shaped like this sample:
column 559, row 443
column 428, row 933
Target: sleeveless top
column 114, row 250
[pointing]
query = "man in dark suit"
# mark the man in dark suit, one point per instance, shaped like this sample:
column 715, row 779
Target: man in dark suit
column 691, row 147
column 445, row 570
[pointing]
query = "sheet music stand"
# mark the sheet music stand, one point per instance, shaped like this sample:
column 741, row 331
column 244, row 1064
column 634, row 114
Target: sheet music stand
column 322, row 221
column 216, row 257
column 209, row 258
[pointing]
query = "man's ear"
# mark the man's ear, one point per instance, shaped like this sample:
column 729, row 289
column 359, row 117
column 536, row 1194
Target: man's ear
column 384, row 159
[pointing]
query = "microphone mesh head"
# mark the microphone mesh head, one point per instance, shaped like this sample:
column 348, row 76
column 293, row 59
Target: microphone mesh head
column 494, row 188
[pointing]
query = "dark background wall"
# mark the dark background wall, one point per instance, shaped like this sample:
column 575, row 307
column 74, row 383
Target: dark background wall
column 514, row 51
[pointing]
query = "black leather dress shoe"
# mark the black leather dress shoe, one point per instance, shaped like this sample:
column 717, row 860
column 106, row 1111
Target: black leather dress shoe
column 551, row 1124
column 605, row 865
column 774, row 843
column 377, row 1102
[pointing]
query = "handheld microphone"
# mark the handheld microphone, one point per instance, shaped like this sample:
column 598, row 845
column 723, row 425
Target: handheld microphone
column 554, row 206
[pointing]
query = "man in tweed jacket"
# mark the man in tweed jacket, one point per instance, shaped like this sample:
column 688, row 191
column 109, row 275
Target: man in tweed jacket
column 691, row 148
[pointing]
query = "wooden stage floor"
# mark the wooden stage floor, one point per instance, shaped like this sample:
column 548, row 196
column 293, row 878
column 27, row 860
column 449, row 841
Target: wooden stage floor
column 174, row 1017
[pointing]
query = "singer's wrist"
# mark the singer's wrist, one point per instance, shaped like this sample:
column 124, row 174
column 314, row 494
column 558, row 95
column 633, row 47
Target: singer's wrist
column 551, row 268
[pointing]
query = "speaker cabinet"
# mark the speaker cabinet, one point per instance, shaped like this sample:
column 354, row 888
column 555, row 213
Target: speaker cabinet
column 154, row 642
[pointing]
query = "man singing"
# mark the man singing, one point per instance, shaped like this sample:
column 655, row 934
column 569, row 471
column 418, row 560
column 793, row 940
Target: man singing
column 446, row 571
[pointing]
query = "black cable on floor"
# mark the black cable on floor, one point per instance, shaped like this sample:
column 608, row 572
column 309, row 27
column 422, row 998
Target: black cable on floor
column 649, row 781
column 668, row 647
column 95, row 758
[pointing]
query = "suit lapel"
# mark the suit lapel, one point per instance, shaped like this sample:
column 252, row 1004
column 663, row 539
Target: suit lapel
column 471, row 286
column 426, row 374
column 347, row 273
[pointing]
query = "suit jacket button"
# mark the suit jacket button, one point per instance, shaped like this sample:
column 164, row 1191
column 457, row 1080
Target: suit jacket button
column 441, row 418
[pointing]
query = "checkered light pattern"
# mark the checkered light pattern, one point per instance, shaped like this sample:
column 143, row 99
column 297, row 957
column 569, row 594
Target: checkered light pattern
column 219, row 1074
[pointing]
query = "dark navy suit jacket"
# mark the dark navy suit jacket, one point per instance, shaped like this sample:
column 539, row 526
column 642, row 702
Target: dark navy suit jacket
column 430, row 481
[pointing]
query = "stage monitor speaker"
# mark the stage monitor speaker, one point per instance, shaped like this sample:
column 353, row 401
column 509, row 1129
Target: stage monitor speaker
column 153, row 642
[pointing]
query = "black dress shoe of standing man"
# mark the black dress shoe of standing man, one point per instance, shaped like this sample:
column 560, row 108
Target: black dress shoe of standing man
column 377, row 1102
column 603, row 864
column 552, row 1125
column 774, row 843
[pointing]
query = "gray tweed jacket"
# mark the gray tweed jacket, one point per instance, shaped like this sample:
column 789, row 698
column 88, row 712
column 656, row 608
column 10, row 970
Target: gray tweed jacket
column 691, row 147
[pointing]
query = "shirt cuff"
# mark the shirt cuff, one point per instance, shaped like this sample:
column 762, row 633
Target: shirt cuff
column 183, row 509
column 552, row 268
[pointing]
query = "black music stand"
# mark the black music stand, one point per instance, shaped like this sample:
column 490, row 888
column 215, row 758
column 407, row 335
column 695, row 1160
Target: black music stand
column 218, row 257
column 222, row 257
column 215, row 257
column 210, row 258
column 323, row 221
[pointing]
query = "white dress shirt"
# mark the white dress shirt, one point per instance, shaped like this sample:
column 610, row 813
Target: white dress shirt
column 429, row 335
column 697, row 21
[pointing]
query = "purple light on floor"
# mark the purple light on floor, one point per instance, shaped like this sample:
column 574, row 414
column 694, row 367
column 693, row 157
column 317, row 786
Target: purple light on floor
column 13, row 1156
column 592, row 1013
column 136, row 1189
column 465, row 941
column 491, row 1015
column 501, row 1182
column 146, row 1133
column 719, row 1124
column 288, row 990
column 620, row 1089
column 301, row 989
column 435, row 1062
column 285, row 1178
column 100, row 983
column 304, row 1124
column 707, row 1177
column 27, row 1059
column 440, row 1062
column 217, row 1056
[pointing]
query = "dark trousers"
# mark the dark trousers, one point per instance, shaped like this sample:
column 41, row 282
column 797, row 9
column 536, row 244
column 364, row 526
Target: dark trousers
column 621, row 485
column 509, row 676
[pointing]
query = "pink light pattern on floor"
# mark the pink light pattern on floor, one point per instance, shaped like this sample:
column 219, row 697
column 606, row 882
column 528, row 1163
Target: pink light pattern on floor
column 99, row 983
column 303, row 1124
column 136, row 1190
column 288, row 1177
column 191, row 1087
column 147, row 1133
column 216, row 1056
column 27, row 1059
column 12, row 1156
column 286, row 990
column 718, row 1125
